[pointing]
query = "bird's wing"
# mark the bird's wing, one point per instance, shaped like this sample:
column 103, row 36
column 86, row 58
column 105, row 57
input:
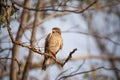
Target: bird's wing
column 47, row 41
column 61, row 45
column 60, row 42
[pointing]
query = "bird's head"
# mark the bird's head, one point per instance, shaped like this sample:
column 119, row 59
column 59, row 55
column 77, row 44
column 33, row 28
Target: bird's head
column 56, row 30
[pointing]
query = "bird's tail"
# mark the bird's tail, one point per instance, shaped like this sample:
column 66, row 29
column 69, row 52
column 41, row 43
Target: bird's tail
column 44, row 63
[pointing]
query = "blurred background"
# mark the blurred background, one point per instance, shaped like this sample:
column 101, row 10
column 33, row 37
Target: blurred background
column 91, row 26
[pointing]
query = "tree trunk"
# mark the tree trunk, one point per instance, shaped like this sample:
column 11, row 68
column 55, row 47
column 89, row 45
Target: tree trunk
column 33, row 40
column 15, row 50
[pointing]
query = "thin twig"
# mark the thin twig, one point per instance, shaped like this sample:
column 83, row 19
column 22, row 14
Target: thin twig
column 69, row 57
column 13, row 60
column 60, row 75
column 1, row 50
column 94, row 35
column 79, row 73
column 73, row 11
column 78, row 67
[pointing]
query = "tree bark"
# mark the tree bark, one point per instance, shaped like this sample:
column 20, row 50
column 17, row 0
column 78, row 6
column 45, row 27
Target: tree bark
column 32, row 42
column 15, row 50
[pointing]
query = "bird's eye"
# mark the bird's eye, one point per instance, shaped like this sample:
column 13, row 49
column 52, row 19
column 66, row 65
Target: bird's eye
column 53, row 31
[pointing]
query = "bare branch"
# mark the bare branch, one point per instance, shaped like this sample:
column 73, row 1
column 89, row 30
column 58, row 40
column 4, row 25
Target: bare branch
column 70, row 56
column 62, row 73
column 78, row 67
column 82, row 57
column 103, row 57
column 73, row 11
column 94, row 35
column 1, row 50
column 66, row 60
column 79, row 73
column 13, row 60
column 32, row 42
column 45, row 19
column 59, row 75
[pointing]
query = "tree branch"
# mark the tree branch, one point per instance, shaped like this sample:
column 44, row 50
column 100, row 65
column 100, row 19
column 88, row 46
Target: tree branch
column 73, row 11
column 32, row 42
column 103, row 57
column 12, row 60
column 70, row 56
column 79, row 73
column 95, row 35
column 59, row 75
column 2, row 50
column 82, row 57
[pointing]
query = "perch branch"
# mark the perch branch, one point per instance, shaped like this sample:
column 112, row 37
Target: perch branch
column 66, row 60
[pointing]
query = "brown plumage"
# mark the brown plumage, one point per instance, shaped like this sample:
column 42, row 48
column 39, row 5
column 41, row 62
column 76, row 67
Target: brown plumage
column 53, row 44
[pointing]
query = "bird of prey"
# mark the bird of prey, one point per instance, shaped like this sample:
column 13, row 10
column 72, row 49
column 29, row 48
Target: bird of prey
column 53, row 44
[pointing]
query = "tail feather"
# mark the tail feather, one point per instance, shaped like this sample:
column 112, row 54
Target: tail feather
column 44, row 65
column 46, row 62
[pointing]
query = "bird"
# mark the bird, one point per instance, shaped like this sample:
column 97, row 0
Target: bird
column 53, row 43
